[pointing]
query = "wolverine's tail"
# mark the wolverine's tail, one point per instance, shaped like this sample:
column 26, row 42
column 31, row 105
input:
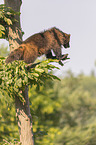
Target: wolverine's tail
column 16, row 54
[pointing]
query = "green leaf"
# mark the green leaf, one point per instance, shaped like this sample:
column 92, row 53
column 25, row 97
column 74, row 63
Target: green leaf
column 30, row 75
column 9, row 22
column 21, row 97
column 2, row 28
column 39, row 70
column 16, row 89
column 17, row 69
column 35, row 74
column 1, row 67
column 55, row 77
column 1, row 15
column 8, row 13
column 19, row 83
column 0, row 34
column 1, row 57
column 25, row 79
column 2, row 6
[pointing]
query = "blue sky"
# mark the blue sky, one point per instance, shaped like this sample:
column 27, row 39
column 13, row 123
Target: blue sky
column 77, row 17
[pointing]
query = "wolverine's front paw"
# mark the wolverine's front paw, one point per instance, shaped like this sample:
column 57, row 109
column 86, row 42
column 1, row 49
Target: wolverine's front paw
column 64, row 57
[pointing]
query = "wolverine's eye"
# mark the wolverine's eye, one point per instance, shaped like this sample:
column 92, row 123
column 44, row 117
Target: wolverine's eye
column 65, row 41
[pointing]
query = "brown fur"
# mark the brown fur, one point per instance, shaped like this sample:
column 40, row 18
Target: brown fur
column 39, row 44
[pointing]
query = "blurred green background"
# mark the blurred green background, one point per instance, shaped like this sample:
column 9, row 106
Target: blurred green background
column 64, row 112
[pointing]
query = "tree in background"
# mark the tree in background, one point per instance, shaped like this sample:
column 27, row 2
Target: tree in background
column 78, row 111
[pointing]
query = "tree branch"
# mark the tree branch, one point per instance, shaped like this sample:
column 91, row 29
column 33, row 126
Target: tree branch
column 32, row 65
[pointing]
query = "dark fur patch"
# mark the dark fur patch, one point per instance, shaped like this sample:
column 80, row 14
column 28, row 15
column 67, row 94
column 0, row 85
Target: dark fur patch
column 56, row 37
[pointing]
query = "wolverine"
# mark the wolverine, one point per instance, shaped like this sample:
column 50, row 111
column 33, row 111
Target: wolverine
column 39, row 44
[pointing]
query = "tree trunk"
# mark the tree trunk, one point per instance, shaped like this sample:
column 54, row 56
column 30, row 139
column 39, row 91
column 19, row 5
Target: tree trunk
column 24, row 119
column 22, row 110
column 14, row 35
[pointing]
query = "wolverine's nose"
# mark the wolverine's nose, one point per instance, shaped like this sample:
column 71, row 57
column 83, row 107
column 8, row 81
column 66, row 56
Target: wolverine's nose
column 66, row 45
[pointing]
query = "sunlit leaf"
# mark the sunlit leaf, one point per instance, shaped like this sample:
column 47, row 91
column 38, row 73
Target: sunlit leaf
column 1, row 57
column 1, row 15
column 2, row 28
column 39, row 70
column 9, row 22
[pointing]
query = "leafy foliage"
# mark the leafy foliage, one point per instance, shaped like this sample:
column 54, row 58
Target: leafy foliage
column 15, row 76
column 78, row 111
column 64, row 112
column 6, row 19
column 8, row 123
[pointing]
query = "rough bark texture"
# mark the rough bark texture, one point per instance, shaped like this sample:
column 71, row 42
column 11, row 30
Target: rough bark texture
column 24, row 119
column 22, row 110
column 14, row 35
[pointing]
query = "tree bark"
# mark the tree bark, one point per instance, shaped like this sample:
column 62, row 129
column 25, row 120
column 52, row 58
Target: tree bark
column 22, row 110
column 24, row 119
column 15, row 34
